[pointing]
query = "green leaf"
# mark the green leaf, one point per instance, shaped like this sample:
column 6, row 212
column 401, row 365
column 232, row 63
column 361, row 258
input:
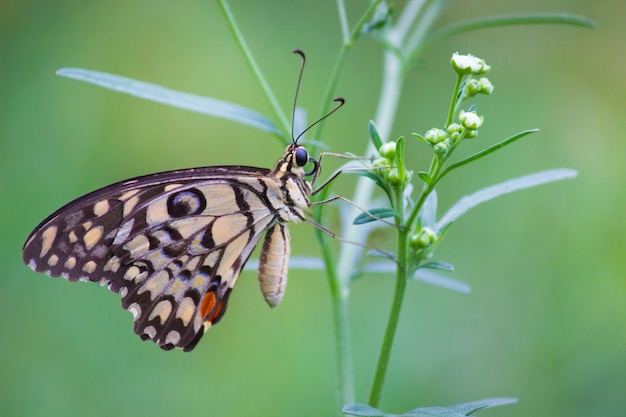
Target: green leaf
column 362, row 410
column 374, row 136
column 505, row 20
column 489, row 193
column 380, row 213
column 376, row 178
column 444, row 266
column 460, row 410
column 153, row 92
column 421, row 138
column 400, row 157
column 433, row 278
column 487, row 151
column 425, row 177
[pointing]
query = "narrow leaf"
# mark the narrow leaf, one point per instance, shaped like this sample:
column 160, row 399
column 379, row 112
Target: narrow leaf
column 443, row 266
column 421, row 138
column 489, row 193
column 425, row 177
column 362, row 410
column 400, row 157
column 295, row 262
column 153, row 92
column 506, row 20
column 460, row 410
column 374, row 136
column 433, row 278
column 379, row 213
column 487, row 151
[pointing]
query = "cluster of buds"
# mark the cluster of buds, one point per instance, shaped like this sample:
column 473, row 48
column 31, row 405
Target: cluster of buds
column 468, row 122
column 386, row 163
column 422, row 239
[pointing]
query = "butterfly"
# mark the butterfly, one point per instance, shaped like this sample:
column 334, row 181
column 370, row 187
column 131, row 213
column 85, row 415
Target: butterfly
column 173, row 244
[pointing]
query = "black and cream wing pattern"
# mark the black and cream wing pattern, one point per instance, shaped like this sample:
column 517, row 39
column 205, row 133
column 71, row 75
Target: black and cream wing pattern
column 173, row 244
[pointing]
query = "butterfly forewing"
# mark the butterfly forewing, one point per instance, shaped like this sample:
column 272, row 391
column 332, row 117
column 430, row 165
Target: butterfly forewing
column 173, row 244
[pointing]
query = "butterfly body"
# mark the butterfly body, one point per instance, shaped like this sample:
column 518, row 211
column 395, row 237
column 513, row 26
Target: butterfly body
column 173, row 244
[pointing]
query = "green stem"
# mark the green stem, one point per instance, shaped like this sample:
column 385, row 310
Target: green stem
column 230, row 19
column 396, row 307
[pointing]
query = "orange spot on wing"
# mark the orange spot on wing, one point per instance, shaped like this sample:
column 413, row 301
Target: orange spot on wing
column 210, row 307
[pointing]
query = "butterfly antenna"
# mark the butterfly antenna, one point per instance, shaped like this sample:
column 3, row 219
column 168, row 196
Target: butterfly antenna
column 295, row 98
column 339, row 100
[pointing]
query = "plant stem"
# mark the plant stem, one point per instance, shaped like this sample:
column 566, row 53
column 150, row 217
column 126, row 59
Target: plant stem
column 243, row 46
column 396, row 306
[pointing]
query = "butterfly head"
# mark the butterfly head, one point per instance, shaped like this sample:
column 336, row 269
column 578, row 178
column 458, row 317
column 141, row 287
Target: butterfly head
column 294, row 162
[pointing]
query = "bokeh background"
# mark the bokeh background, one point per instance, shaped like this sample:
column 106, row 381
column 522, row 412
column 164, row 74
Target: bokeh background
column 546, row 321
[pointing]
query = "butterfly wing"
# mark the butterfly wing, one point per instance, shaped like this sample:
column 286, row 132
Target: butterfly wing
column 172, row 244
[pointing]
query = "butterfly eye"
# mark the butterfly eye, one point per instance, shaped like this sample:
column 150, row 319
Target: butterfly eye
column 302, row 157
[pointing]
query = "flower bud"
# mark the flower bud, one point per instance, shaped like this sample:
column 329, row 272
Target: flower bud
column 454, row 128
column 435, row 135
column 394, row 176
column 471, row 134
column 423, row 239
column 468, row 64
column 485, row 86
column 472, row 88
column 380, row 163
column 443, row 146
column 388, row 150
column 470, row 120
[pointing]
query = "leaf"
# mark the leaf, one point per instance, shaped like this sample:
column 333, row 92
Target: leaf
column 425, row 177
column 400, row 157
column 489, row 193
column 460, row 410
column 295, row 262
column 380, row 213
column 505, row 20
column 443, row 266
column 421, row 138
column 374, row 136
column 486, row 151
column 433, row 278
column 153, row 92
column 362, row 410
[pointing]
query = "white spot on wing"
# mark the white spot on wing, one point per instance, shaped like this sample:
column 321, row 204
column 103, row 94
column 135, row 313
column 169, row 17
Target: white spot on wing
column 123, row 232
column 162, row 310
column 135, row 310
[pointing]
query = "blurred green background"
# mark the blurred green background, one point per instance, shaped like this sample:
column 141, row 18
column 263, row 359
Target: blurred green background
column 546, row 321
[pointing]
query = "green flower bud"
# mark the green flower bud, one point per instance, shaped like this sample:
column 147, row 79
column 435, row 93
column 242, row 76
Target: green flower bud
column 472, row 88
column 394, row 176
column 422, row 239
column 454, row 128
column 470, row 120
column 380, row 163
column 455, row 136
column 443, row 146
column 388, row 150
column 471, row 134
column 435, row 135
column 485, row 86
